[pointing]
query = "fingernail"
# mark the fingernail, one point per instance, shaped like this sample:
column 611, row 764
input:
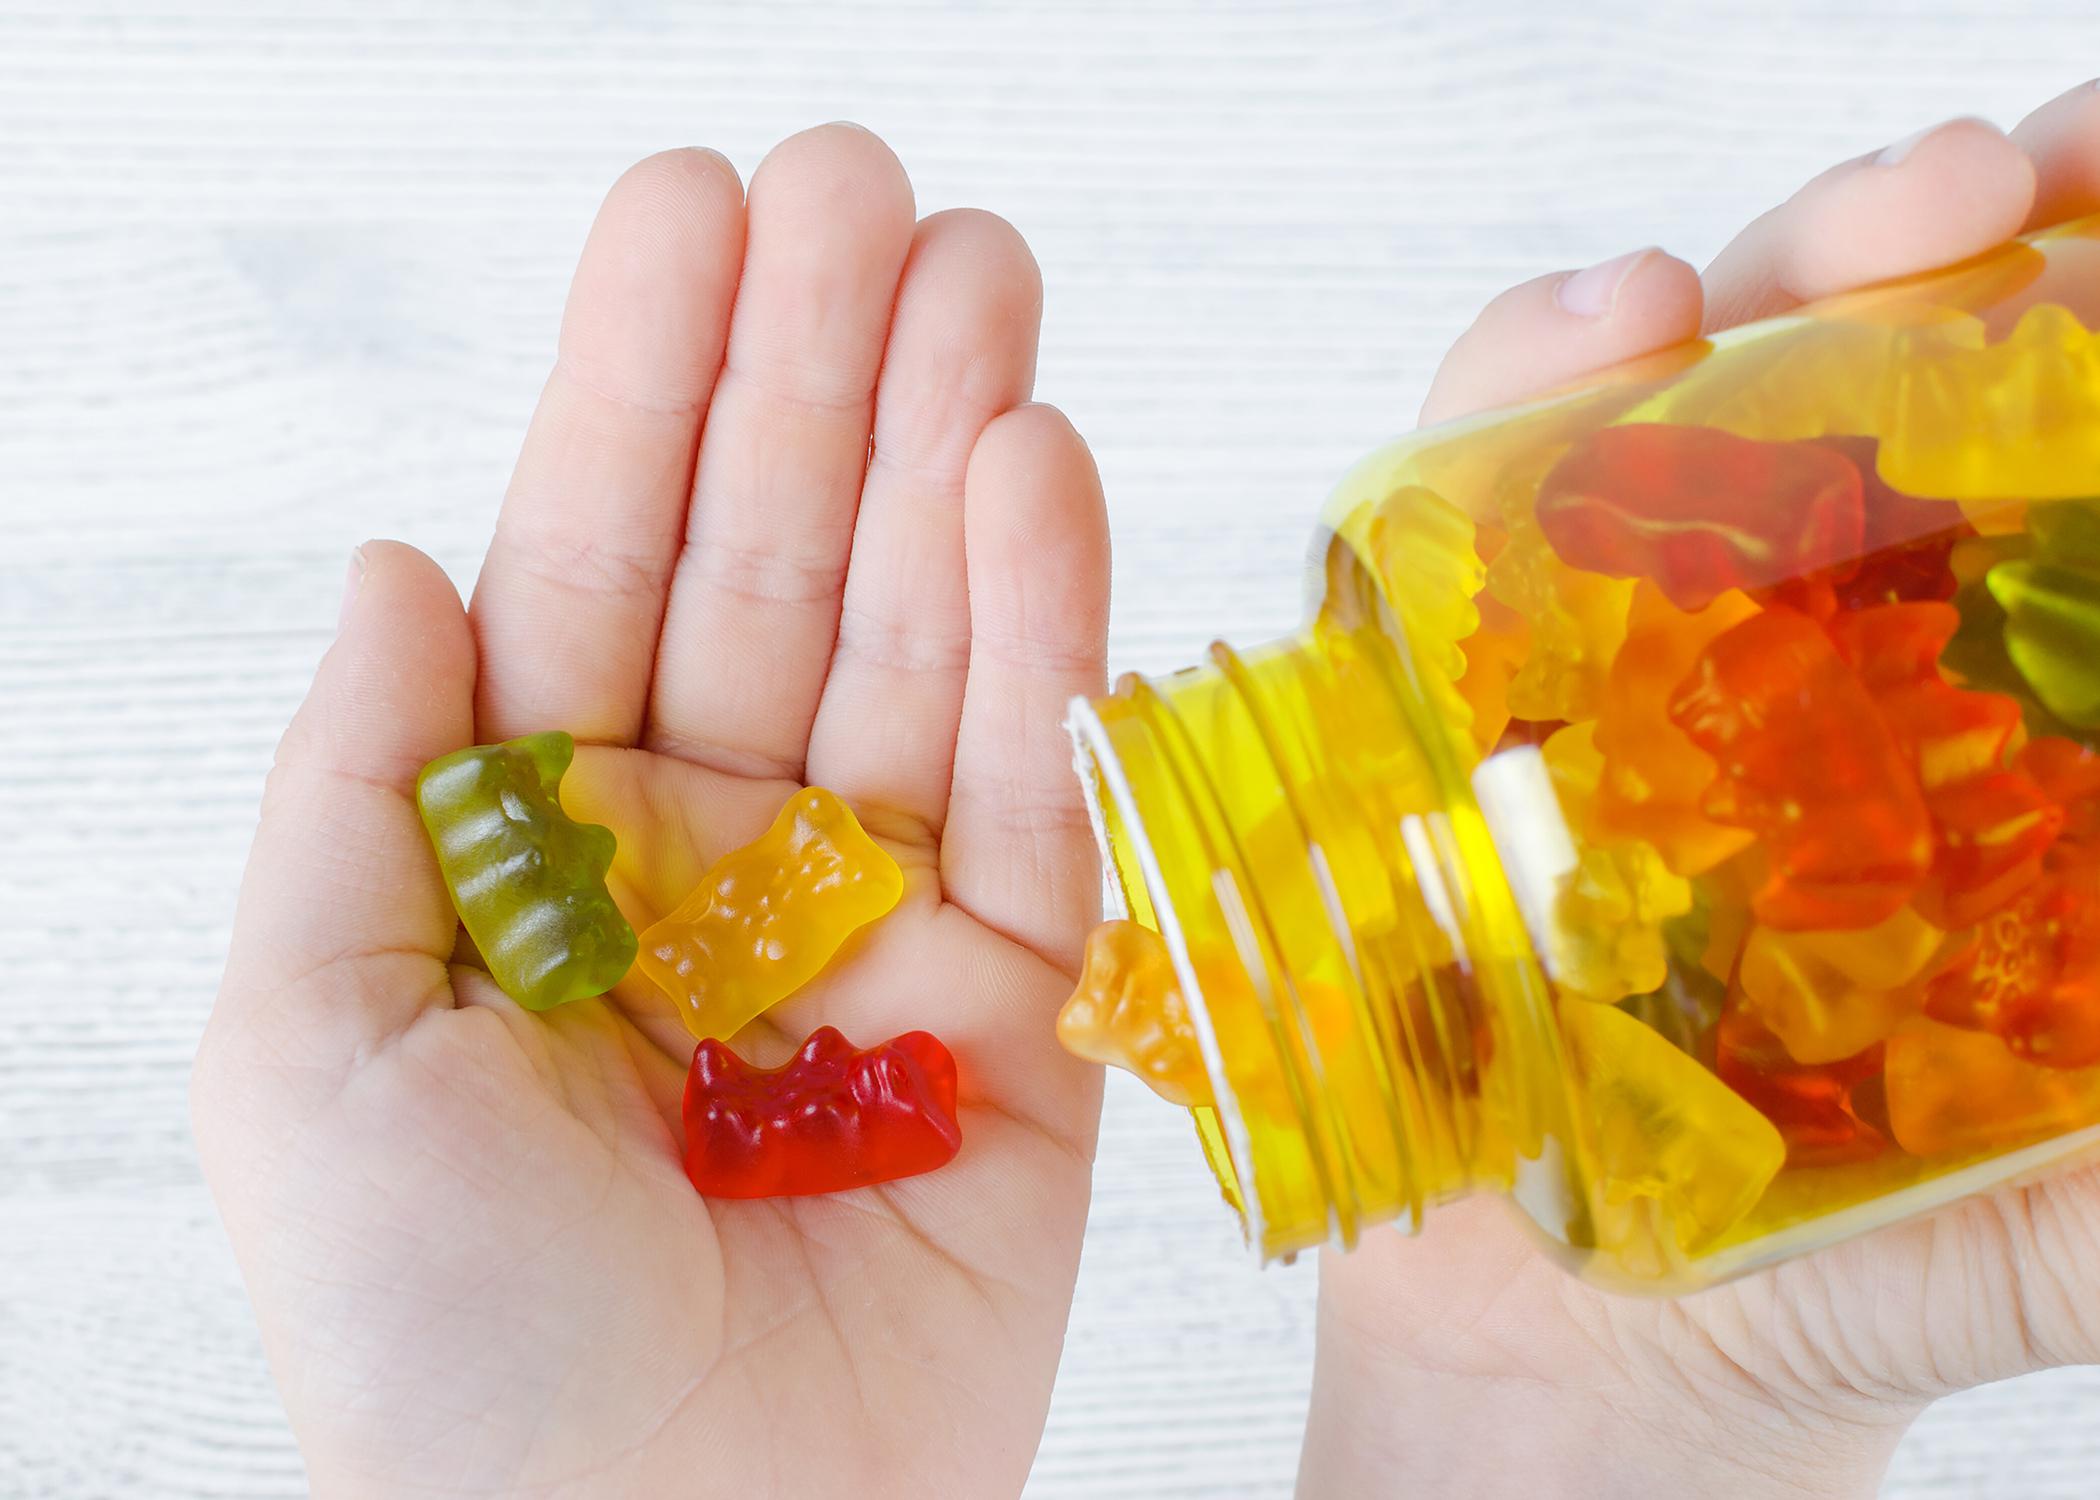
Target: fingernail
column 353, row 577
column 1591, row 293
column 1894, row 153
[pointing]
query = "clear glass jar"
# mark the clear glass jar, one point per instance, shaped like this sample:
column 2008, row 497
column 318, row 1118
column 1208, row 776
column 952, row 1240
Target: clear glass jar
column 1680, row 810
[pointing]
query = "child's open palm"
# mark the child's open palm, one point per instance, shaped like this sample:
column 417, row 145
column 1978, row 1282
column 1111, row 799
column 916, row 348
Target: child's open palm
column 783, row 518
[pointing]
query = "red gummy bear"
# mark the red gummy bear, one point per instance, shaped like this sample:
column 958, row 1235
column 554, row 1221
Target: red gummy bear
column 1700, row 510
column 1993, row 822
column 829, row 1119
column 1815, row 1107
column 1906, row 547
column 1906, row 544
column 1805, row 762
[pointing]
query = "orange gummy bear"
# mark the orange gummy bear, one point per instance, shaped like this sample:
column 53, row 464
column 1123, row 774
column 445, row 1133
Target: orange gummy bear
column 1494, row 655
column 2030, row 974
column 1907, row 548
column 1128, row 1012
column 1953, row 1092
column 2031, row 977
column 2069, row 775
column 1806, row 763
column 1654, row 776
column 1992, row 822
column 770, row 915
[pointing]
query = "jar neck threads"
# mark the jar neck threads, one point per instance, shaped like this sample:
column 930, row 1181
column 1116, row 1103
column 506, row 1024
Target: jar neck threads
column 1296, row 823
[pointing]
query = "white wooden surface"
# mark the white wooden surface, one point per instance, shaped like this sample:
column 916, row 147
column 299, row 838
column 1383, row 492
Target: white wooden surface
column 275, row 278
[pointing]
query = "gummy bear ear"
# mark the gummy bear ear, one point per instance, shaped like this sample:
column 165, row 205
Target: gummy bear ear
column 714, row 1063
column 341, row 865
column 936, row 1065
column 825, row 1044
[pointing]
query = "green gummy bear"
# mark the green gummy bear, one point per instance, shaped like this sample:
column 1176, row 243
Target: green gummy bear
column 2052, row 609
column 528, row 880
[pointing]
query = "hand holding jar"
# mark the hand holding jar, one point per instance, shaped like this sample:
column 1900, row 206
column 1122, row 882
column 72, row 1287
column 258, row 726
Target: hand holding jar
column 1912, row 1020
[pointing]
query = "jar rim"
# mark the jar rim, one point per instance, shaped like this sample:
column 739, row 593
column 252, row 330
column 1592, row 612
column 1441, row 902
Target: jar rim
column 1099, row 767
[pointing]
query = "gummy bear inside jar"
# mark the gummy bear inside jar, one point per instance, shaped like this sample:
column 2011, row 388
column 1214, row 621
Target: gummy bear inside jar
column 1680, row 811
column 1806, row 680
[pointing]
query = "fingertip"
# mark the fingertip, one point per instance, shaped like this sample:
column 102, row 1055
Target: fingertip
column 396, row 687
column 969, row 309
column 648, row 308
column 1951, row 192
column 1968, row 166
column 829, row 224
column 1035, row 533
column 398, row 575
column 681, row 176
column 980, row 241
column 1034, row 454
column 1033, row 427
column 838, row 168
column 1557, row 328
column 1658, row 303
column 2062, row 140
column 1961, row 130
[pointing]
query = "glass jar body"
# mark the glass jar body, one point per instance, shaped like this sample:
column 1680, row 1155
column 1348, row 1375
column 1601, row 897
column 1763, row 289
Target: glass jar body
column 1681, row 808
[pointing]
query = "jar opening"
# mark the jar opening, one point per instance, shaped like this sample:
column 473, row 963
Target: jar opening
column 1133, row 886
column 1316, row 882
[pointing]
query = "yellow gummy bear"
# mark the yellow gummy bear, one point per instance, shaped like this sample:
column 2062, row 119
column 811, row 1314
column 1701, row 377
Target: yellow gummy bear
column 770, row 915
column 1785, row 380
column 1607, row 932
column 1828, row 995
column 1577, row 621
column 1667, row 1129
column 1958, row 417
column 1128, row 1012
column 1969, row 420
column 1423, row 549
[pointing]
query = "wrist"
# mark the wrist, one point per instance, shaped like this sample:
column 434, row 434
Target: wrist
column 1528, row 1398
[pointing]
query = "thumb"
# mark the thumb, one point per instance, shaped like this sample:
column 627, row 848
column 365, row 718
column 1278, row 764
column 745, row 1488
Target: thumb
column 1557, row 329
column 343, row 931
